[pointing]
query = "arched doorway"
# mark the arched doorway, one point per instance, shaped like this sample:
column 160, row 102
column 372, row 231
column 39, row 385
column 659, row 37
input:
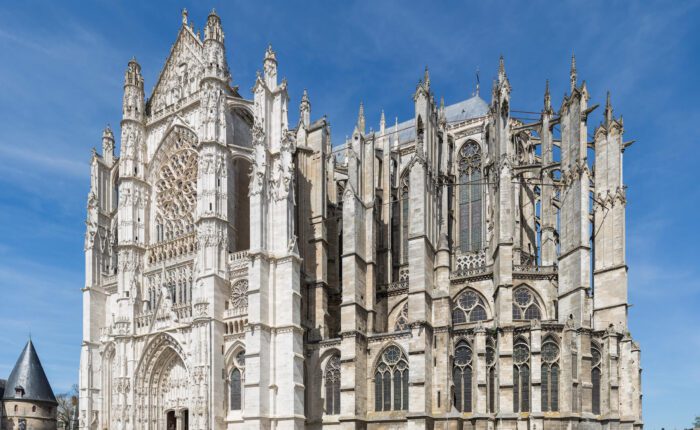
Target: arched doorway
column 163, row 387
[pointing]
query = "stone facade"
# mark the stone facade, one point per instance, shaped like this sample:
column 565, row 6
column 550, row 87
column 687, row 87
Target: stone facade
column 242, row 272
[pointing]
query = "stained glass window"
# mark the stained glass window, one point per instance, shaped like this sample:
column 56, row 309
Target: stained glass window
column 469, row 191
column 391, row 380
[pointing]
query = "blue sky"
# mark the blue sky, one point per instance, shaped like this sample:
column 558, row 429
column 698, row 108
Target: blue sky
column 62, row 68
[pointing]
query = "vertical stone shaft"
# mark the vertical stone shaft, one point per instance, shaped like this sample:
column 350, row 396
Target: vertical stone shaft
column 574, row 260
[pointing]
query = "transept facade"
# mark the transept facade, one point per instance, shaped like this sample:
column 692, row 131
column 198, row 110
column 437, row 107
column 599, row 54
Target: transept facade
column 462, row 269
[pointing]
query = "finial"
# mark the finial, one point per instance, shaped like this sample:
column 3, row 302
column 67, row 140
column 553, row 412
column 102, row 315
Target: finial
column 361, row 118
column 426, row 77
column 547, row 98
column 572, row 73
column 608, row 109
column 382, row 119
column 442, row 102
column 269, row 53
column 305, row 96
column 184, row 16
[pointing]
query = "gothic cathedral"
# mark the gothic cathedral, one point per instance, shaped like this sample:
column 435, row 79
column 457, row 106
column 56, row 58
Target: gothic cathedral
column 463, row 269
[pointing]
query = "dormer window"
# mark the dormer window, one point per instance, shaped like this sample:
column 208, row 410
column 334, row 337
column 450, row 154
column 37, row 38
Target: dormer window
column 19, row 392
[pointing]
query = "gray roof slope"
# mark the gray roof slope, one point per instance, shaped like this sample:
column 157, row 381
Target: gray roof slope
column 29, row 374
column 473, row 107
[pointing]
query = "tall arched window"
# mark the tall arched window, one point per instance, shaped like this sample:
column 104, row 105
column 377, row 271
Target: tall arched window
column 462, row 377
column 468, row 307
column 521, row 377
column 491, row 372
column 391, row 381
column 525, row 306
column 236, row 382
column 595, row 380
column 332, row 381
column 550, row 376
column 470, row 197
column 404, row 217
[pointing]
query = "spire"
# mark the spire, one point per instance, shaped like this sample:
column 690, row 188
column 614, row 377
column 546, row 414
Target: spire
column 27, row 380
column 501, row 70
column 270, row 67
column 426, row 77
column 572, row 73
column 441, row 111
column 184, row 16
column 212, row 29
column 608, row 110
column 382, row 122
column 476, row 93
column 361, row 119
column 305, row 109
column 547, row 98
column 107, row 146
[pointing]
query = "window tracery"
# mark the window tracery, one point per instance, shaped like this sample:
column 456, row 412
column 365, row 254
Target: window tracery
column 550, row 375
column 236, row 377
column 469, row 307
column 491, row 371
column 469, row 174
column 391, row 380
column 332, row 381
column 239, row 294
column 525, row 306
column 404, row 217
column 176, row 187
column 402, row 319
column 462, row 377
column 521, row 376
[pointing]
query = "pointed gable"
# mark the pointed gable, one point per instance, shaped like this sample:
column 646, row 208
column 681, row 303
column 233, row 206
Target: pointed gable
column 181, row 73
column 28, row 380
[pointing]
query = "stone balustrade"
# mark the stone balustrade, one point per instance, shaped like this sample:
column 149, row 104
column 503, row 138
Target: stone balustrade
column 172, row 249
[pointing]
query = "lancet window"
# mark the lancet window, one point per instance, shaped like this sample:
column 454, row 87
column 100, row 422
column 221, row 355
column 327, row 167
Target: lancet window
column 236, row 382
column 332, row 381
column 491, row 372
column 550, row 375
column 403, row 193
column 469, row 194
column 595, row 380
column 462, row 377
column 521, row 376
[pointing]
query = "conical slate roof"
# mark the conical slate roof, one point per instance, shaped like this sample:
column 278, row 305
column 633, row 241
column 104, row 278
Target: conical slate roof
column 29, row 375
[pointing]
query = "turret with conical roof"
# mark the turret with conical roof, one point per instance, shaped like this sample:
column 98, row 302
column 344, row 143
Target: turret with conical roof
column 27, row 380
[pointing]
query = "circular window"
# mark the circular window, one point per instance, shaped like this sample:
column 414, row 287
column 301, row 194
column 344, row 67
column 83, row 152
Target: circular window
column 392, row 355
column 521, row 353
column 522, row 297
column 463, row 355
column 550, row 352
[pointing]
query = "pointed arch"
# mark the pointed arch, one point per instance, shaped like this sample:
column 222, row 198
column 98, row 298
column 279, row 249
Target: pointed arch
column 527, row 304
column 550, row 373
column 469, row 305
column 462, row 373
column 391, row 379
column 469, row 194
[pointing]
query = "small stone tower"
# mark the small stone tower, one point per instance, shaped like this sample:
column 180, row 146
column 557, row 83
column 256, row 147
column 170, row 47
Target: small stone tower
column 28, row 401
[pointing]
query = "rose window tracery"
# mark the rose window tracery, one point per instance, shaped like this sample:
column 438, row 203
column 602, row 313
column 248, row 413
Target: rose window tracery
column 239, row 294
column 175, row 186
